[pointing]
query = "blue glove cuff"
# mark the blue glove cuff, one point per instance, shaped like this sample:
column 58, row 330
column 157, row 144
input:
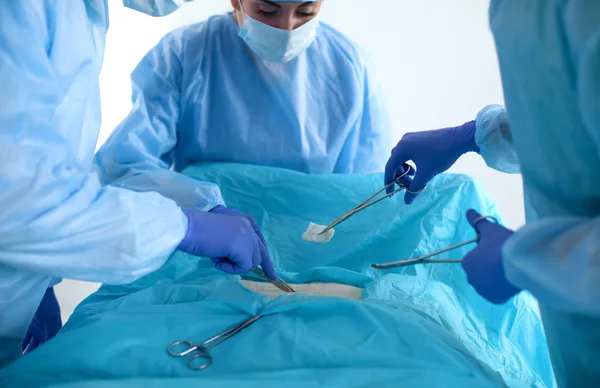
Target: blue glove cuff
column 188, row 239
column 467, row 134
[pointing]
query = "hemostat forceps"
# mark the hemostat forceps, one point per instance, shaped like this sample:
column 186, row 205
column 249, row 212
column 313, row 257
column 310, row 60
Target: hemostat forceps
column 277, row 283
column 424, row 259
column 409, row 169
column 202, row 359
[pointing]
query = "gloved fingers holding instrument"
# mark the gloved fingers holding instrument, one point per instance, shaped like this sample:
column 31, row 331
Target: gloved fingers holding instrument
column 232, row 212
column 230, row 238
column 484, row 265
column 433, row 152
column 265, row 258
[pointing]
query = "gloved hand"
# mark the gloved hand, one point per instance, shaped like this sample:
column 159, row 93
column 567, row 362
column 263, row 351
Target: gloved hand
column 483, row 264
column 46, row 323
column 230, row 238
column 433, row 152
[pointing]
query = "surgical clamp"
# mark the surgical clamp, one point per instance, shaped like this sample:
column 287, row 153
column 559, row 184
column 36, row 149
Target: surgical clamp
column 282, row 285
column 424, row 259
column 365, row 204
column 204, row 358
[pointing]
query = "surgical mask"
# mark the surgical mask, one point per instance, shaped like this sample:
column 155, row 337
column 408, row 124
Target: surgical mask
column 275, row 45
column 155, row 7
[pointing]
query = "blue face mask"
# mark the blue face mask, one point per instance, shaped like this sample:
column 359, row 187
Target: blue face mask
column 275, row 45
column 155, row 7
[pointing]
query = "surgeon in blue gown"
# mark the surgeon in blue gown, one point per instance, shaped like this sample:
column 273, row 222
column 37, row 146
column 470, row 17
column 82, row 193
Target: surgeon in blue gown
column 56, row 219
column 268, row 84
column 549, row 54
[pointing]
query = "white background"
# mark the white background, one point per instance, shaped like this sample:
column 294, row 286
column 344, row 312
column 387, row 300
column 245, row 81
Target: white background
column 436, row 61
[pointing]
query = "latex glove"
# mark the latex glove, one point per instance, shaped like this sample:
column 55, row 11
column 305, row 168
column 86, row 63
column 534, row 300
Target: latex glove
column 232, row 212
column 433, row 152
column 483, row 264
column 46, row 323
column 230, row 238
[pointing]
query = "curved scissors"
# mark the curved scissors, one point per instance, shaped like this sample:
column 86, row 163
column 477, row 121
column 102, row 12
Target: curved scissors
column 202, row 359
column 424, row 259
column 365, row 204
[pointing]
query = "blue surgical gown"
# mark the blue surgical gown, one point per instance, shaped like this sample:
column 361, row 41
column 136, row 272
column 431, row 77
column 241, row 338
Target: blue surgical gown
column 201, row 95
column 56, row 219
column 549, row 54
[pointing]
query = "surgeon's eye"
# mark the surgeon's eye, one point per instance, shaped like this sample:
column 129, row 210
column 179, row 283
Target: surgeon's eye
column 306, row 14
column 267, row 12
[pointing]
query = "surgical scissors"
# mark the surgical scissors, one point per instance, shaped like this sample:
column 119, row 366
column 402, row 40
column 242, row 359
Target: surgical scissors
column 277, row 283
column 202, row 359
column 423, row 259
column 365, row 204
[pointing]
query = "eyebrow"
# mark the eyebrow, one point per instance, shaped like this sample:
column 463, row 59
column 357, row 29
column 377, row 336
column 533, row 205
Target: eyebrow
column 270, row 3
column 274, row 4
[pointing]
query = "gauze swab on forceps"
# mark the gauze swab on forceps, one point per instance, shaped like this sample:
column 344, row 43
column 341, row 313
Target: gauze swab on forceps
column 409, row 170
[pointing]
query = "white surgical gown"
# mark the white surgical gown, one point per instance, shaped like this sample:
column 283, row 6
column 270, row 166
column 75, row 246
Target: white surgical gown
column 56, row 219
column 549, row 53
column 201, row 95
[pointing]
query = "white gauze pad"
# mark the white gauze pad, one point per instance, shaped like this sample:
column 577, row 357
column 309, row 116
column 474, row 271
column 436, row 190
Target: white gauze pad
column 312, row 233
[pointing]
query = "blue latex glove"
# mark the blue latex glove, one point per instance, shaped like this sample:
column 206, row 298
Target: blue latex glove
column 230, row 238
column 433, row 152
column 46, row 323
column 483, row 264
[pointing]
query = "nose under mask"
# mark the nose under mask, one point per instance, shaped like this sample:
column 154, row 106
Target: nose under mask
column 275, row 45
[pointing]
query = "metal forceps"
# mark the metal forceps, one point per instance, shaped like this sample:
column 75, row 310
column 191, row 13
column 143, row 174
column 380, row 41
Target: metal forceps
column 277, row 283
column 202, row 359
column 424, row 259
column 409, row 169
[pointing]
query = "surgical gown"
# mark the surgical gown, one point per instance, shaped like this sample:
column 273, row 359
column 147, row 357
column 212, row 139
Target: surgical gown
column 549, row 53
column 201, row 95
column 56, row 219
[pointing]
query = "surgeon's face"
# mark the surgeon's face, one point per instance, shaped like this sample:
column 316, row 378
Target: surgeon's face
column 282, row 15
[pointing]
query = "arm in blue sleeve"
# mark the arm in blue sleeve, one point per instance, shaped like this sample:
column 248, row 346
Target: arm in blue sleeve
column 139, row 154
column 375, row 141
column 368, row 145
column 494, row 139
column 55, row 218
column 558, row 259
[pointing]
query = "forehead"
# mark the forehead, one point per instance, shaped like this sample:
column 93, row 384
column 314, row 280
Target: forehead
column 281, row 4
